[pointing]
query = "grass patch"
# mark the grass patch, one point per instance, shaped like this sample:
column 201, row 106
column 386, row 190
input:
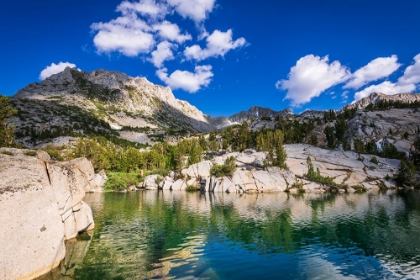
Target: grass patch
column 30, row 153
column 6, row 153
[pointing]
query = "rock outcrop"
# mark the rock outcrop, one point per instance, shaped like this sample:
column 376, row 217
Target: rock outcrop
column 347, row 170
column 40, row 207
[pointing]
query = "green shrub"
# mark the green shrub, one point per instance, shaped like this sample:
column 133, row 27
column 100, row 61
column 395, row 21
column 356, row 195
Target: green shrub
column 6, row 153
column 54, row 152
column 225, row 169
column 374, row 160
column 192, row 188
column 121, row 180
column 359, row 188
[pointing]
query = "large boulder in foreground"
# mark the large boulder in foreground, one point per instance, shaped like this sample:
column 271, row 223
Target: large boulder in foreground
column 40, row 207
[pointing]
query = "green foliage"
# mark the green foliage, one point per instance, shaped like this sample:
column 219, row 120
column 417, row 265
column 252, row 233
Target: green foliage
column 406, row 173
column 225, row 169
column 415, row 155
column 330, row 135
column 192, row 188
column 314, row 140
column 213, row 145
column 121, row 180
column 359, row 147
column 7, row 137
column 391, row 104
column 374, row 160
column 329, row 116
column 346, row 145
column 340, row 129
column 6, row 153
column 272, row 142
column 299, row 187
column 371, row 148
column 359, row 188
column 158, row 180
column 30, row 153
column 55, row 152
column 315, row 176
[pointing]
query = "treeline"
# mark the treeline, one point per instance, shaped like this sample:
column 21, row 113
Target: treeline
column 392, row 104
column 161, row 158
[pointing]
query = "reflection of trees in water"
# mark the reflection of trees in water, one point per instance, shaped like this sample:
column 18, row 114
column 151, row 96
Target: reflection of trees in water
column 151, row 230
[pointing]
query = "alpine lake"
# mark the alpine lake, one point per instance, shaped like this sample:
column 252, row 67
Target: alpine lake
column 192, row 235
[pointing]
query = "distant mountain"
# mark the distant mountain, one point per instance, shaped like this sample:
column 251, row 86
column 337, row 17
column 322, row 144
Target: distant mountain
column 258, row 113
column 377, row 97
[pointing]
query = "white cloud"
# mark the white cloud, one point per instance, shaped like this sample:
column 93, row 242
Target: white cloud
column 385, row 88
column 310, row 77
column 378, row 68
column 127, row 35
column 54, row 69
column 144, row 7
column 218, row 43
column 197, row 10
column 170, row 31
column 411, row 73
column 186, row 80
column 162, row 53
column 408, row 82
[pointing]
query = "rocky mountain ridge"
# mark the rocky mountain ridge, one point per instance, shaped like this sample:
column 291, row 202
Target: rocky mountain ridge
column 377, row 97
column 115, row 105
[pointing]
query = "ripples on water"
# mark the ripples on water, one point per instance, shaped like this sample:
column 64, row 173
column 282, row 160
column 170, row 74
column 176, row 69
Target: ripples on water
column 178, row 235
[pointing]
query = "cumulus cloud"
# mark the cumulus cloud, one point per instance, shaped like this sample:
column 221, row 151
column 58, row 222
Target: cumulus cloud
column 127, row 35
column 197, row 10
column 163, row 52
column 310, row 77
column 171, row 31
column 411, row 73
column 385, row 88
column 408, row 82
column 218, row 44
column 144, row 7
column 142, row 29
column 186, row 80
column 54, row 69
column 378, row 68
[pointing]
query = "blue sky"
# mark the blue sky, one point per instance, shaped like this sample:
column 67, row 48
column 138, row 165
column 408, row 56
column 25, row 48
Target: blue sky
column 223, row 56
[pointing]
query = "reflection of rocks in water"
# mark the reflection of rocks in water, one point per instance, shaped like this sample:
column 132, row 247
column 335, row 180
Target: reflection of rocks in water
column 187, row 257
column 76, row 250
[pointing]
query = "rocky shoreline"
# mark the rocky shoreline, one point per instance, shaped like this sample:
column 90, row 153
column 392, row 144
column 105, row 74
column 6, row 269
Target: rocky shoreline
column 41, row 207
column 347, row 169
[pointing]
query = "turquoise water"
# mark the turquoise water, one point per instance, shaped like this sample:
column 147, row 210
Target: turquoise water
column 181, row 235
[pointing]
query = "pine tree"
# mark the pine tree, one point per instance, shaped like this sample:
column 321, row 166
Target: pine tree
column 7, row 133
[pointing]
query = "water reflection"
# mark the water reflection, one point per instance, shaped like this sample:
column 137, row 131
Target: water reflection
column 167, row 235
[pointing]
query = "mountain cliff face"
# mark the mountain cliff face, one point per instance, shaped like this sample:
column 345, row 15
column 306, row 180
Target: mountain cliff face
column 117, row 99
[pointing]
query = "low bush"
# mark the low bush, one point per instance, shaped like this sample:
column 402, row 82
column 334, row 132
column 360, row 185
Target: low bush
column 121, row 180
column 225, row 169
